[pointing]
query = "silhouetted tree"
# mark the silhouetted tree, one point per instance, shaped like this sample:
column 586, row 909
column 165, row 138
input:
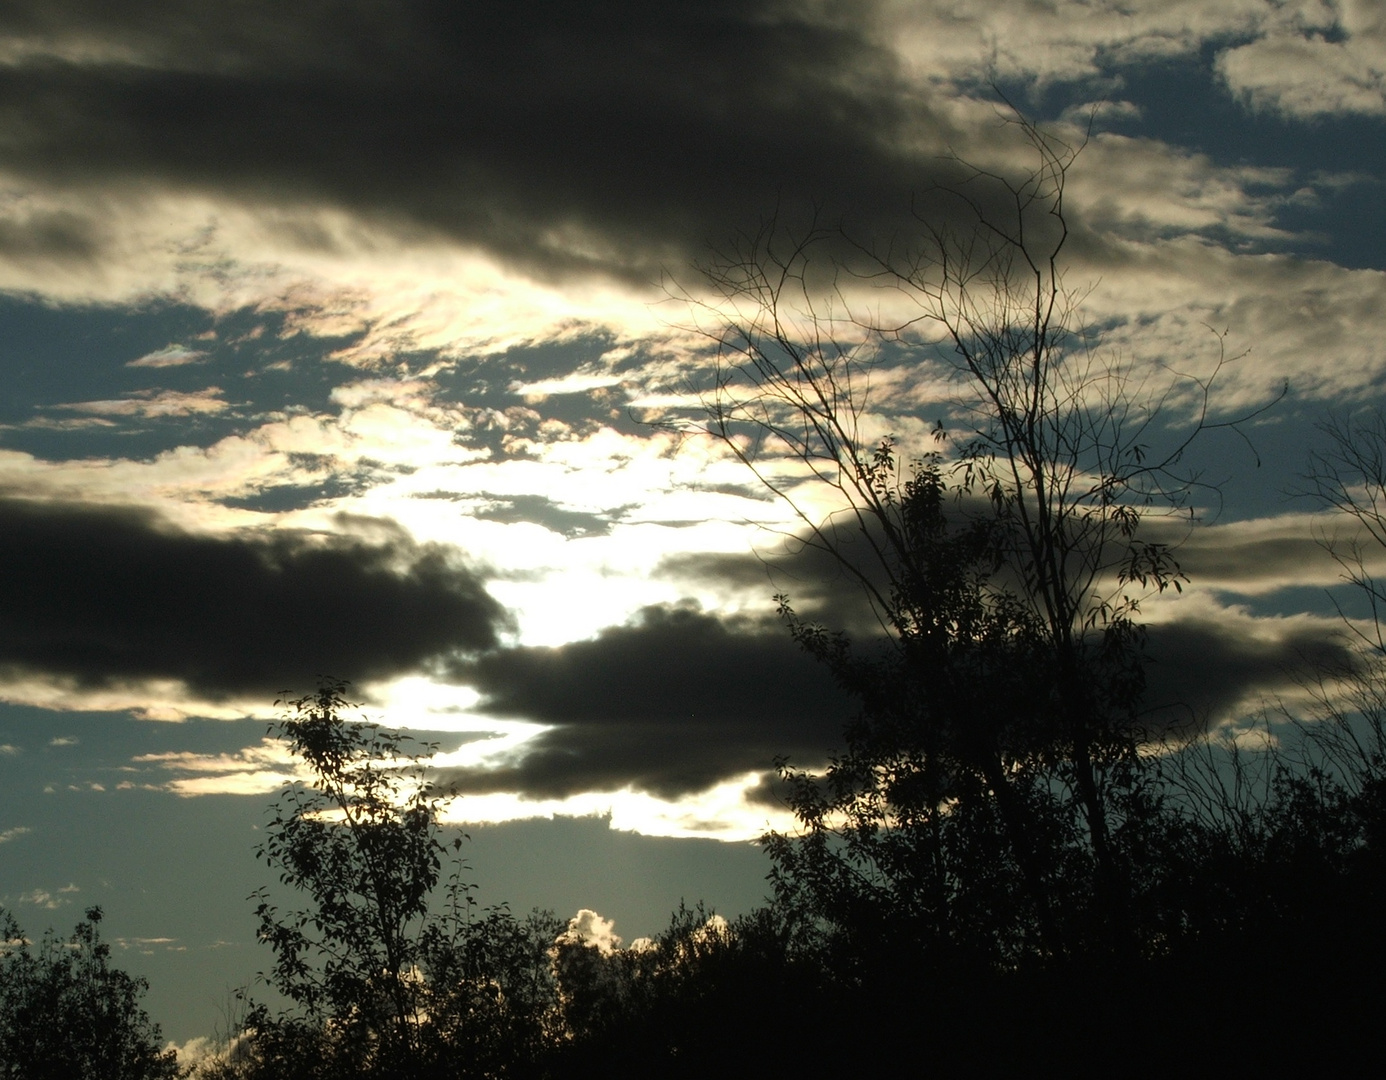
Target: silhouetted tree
column 67, row 1014
column 995, row 758
column 1350, row 477
column 384, row 986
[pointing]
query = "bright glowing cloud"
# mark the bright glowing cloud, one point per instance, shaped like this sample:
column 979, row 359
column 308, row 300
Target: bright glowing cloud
column 169, row 356
column 725, row 812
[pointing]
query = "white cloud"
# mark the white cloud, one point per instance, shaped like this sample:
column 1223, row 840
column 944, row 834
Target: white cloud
column 204, row 1055
column 1304, row 58
column 14, row 834
column 144, row 944
column 1313, row 58
column 155, row 403
column 44, row 899
column 589, row 928
column 1064, row 39
column 328, row 272
column 153, row 699
column 724, row 812
column 169, row 356
column 256, row 770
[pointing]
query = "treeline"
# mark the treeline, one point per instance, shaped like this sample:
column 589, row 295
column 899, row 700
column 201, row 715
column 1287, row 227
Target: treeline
column 1247, row 937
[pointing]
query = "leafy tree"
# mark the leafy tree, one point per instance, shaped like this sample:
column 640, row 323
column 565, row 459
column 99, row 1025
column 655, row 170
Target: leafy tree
column 384, row 986
column 66, row 1014
column 992, row 785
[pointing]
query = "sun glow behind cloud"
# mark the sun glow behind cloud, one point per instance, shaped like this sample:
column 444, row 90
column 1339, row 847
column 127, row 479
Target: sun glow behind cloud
column 724, row 812
column 545, row 481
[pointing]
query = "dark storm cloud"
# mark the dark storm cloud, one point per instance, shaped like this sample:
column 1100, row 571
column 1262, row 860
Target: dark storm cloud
column 1224, row 559
column 1199, row 671
column 679, row 699
column 670, row 703
column 100, row 595
column 619, row 135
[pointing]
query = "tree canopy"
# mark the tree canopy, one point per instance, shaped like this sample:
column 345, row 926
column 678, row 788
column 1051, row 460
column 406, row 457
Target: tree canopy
column 67, row 1014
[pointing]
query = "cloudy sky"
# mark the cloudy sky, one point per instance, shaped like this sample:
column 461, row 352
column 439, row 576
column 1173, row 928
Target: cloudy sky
column 334, row 337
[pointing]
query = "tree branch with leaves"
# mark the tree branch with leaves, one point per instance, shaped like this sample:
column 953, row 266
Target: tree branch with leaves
column 1006, row 563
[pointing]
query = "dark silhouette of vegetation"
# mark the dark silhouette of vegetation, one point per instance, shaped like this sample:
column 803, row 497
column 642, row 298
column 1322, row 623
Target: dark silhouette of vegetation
column 382, row 984
column 1003, row 828
column 992, row 799
column 67, row 1014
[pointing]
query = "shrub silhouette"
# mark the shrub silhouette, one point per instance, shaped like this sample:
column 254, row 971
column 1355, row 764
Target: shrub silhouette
column 67, row 1014
column 381, row 984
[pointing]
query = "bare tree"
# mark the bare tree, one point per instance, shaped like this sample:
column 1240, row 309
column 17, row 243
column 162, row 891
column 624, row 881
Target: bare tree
column 1062, row 453
column 1349, row 476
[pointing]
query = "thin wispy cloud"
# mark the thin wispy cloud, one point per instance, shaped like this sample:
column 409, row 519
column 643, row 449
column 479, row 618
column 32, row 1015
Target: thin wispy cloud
column 170, row 356
column 155, row 403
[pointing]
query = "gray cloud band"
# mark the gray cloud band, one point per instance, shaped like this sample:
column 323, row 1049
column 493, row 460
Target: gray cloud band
column 102, row 595
column 611, row 136
column 670, row 703
column 679, row 700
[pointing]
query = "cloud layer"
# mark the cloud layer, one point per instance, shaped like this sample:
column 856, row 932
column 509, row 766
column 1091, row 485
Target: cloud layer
column 678, row 700
column 612, row 135
column 348, row 165
column 99, row 596
column 671, row 703
column 465, row 175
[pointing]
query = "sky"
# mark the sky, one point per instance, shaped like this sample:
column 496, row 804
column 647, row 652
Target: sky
column 363, row 339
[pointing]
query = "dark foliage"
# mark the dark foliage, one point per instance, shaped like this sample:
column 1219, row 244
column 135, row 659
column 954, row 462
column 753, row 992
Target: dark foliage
column 66, row 1014
column 382, row 985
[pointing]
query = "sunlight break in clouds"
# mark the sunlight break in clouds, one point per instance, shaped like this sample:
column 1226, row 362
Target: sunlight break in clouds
column 349, row 336
column 724, row 812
